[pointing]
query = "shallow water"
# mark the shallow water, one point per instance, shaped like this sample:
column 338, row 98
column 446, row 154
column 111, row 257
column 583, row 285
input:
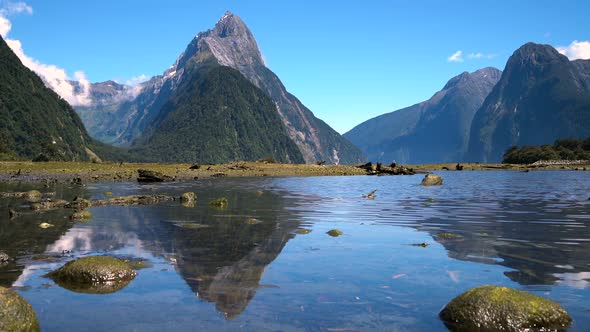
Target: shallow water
column 214, row 271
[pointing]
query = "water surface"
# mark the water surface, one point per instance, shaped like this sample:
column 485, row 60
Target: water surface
column 218, row 270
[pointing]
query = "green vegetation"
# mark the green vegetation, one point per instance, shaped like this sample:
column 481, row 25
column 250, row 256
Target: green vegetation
column 216, row 116
column 562, row 149
column 34, row 121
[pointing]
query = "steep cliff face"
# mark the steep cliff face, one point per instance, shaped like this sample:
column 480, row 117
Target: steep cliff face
column 434, row 131
column 541, row 97
column 230, row 43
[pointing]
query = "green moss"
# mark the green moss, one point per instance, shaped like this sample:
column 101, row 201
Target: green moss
column 219, row 203
column 334, row 232
column 16, row 314
column 501, row 308
column 93, row 270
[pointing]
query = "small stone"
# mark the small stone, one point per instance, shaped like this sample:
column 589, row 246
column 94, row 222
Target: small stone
column 45, row 225
column 188, row 197
column 432, row 180
column 219, row 203
column 334, row 232
column 4, row 257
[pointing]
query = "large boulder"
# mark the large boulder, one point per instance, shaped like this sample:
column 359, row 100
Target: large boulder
column 494, row 308
column 432, row 180
column 94, row 274
column 16, row 314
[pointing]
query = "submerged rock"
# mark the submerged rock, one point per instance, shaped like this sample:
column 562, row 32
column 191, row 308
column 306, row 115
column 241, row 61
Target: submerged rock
column 219, row 203
column 152, row 176
column 32, row 195
column 432, row 180
column 493, row 308
column 83, row 215
column 16, row 314
column 49, row 205
column 302, row 231
column 94, row 274
column 334, row 232
column 447, row 236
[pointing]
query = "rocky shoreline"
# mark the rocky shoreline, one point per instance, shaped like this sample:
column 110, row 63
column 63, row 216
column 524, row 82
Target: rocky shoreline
column 78, row 173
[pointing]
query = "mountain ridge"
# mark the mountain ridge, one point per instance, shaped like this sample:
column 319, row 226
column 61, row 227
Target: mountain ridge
column 435, row 130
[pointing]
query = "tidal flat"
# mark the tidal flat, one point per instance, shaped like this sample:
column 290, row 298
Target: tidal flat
column 266, row 260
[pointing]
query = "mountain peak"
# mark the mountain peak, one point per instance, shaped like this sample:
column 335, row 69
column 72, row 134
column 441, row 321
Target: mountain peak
column 230, row 25
column 485, row 74
column 537, row 54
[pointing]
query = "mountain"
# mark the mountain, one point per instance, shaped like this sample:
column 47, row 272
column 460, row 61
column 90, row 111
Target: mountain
column 433, row 131
column 231, row 44
column 541, row 97
column 34, row 120
column 215, row 116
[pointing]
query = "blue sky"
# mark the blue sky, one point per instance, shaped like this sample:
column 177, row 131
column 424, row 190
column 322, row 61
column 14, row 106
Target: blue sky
column 348, row 61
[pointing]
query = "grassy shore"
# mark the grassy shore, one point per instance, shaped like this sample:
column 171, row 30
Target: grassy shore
column 92, row 172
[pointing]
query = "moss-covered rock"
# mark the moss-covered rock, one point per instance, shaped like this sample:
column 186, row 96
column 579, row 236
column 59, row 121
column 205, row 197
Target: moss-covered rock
column 94, row 274
column 16, row 314
column 432, row 180
column 83, row 215
column 334, row 232
column 219, row 203
column 493, row 308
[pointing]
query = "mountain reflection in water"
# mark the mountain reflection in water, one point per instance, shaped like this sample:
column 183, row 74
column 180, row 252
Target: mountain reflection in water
column 528, row 230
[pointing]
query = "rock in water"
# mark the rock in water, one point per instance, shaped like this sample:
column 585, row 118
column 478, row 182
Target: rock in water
column 152, row 176
column 188, row 197
column 16, row 314
column 493, row 308
column 432, row 180
column 94, row 274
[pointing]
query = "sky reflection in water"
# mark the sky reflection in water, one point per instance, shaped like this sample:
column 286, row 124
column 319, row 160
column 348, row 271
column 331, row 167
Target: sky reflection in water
column 524, row 230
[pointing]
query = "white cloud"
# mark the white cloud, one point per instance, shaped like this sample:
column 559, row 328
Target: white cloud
column 5, row 26
column 576, row 50
column 480, row 55
column 137, row 80
column 54, row 77
column 456, row 57
column 10, row 8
